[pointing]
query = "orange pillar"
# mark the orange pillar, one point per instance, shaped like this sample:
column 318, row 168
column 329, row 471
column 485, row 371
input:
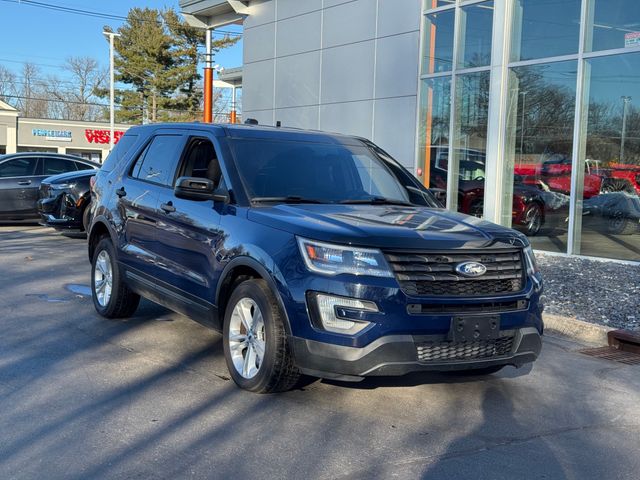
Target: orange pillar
column 208, row 95
column 233, row 118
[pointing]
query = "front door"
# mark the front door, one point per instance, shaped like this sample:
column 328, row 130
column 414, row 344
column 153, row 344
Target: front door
column 189, row 230
column 18, row 187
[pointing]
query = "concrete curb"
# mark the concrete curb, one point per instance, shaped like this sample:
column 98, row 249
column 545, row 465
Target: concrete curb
column 577, row 329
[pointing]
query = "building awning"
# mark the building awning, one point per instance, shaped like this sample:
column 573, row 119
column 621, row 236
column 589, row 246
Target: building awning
column 213, row 13
column 5, row 108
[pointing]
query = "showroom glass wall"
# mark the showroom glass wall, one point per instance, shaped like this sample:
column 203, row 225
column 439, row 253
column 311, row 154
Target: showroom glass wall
column 562, row 105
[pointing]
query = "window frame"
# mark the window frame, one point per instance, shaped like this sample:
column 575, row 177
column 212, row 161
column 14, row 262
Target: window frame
column 140, row 155
column 34, row 171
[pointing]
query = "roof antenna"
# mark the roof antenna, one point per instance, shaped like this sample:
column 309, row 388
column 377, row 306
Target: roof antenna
column 278, row 124
column 251, row 121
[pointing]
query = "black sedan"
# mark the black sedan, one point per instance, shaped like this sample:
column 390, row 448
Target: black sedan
column 64, row 200
column 21, row 175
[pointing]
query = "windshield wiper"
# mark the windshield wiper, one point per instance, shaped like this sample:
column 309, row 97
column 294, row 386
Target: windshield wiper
column 287, row 199
column 376, row 201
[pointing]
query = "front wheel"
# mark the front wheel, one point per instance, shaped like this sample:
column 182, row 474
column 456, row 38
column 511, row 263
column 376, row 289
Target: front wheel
column 533, row 220
column 112, row 298
column 255, row 340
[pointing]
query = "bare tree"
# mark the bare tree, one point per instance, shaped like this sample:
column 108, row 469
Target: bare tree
column 86, row 79
column 7, row 85
column 32, row 101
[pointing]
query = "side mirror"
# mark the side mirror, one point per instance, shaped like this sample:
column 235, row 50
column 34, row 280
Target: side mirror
column 196, row 188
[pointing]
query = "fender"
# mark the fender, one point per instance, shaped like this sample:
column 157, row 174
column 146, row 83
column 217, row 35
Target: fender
column 244, row 261
column 101, row 219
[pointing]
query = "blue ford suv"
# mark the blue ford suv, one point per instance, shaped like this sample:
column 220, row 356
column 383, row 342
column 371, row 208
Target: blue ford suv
column 312, row 253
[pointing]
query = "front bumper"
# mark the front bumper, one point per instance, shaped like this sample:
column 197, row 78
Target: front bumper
column 54, row 213
column 401, row 354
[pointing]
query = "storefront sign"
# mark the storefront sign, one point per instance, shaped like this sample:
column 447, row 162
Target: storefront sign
column 632, row 39
column 52, row 135
column 102, row 136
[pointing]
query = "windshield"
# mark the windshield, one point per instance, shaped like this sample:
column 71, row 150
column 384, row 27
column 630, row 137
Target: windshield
column 323, row 173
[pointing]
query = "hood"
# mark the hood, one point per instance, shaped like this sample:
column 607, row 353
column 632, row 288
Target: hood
column 386, row 226
column 70, row 176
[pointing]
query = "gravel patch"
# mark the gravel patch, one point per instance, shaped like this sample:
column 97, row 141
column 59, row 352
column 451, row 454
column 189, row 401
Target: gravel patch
column 606, row 293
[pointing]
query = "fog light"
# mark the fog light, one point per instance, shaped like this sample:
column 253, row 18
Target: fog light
column 335, row 314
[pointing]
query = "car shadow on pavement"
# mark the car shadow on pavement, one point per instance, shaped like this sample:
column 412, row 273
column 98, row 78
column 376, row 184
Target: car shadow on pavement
column 429, row 378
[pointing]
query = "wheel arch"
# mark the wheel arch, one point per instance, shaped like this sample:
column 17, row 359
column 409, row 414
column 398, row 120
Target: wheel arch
column 99, row 229
column 242, row 268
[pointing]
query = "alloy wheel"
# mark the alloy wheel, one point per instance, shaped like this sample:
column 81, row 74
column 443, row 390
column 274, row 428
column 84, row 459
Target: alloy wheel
column 103, row 278
column 247, row 337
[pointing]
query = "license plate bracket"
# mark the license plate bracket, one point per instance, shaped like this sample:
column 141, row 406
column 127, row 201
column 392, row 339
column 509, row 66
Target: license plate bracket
column 474, row 328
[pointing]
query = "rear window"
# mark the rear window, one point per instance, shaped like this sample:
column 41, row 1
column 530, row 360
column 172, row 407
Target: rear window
column 55, row 166
column 119, row 151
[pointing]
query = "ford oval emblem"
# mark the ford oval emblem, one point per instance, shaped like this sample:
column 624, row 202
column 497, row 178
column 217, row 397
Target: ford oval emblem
column 471, row 269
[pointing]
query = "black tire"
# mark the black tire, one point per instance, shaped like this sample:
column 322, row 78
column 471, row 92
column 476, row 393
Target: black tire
column 86, row 217
column 533, row 220
column 122, row 302
column 277, row 371
column 480, row 372
column 477, row 208
column 619, row 224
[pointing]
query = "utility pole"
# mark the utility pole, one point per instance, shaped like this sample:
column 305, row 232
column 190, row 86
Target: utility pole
column 112, row 113
column 208, row 80
column 625, row 101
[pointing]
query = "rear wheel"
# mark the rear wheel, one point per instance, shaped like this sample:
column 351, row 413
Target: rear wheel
column 255, row 340
column 112, row 298
column 619, row 224
column 86, row 217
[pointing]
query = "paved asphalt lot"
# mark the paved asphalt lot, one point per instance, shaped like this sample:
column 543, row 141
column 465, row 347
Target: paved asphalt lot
column 82, row 397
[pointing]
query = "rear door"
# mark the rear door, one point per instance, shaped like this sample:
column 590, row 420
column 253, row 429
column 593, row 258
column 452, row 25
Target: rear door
column 16, row 177
column 138, row 203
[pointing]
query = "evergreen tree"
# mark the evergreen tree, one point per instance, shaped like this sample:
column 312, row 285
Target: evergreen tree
column 156, row 54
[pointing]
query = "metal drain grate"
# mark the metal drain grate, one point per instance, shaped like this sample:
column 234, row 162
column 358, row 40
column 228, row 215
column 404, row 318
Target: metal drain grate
column 613, row 354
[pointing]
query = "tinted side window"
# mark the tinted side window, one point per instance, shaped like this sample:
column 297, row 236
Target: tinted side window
column 54, row 166
column 19, row 167
column 119, row 150
column 83, row 166
column 156, row 163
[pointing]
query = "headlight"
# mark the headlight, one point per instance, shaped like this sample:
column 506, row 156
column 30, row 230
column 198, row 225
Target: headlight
column 331, row 259
column 62, row 186
column 530, row 258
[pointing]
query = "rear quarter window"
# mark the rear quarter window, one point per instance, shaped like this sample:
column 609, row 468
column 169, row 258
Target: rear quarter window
column 119, row 151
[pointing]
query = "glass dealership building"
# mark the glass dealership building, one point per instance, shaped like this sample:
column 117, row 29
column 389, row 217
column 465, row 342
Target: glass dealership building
column 525, row 112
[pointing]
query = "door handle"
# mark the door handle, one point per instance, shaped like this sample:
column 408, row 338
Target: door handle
column 168, row 207
column 121, row 192
column 24, row 182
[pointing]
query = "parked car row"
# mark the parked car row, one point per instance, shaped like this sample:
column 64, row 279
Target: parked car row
column 541, row 193
column 50, row 188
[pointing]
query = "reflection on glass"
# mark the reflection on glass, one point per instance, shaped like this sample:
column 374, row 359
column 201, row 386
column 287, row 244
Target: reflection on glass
column 611, row 207
column 429, row 4
column 470, row 140
column 435, row 112
column 475, row 46
column 539, row 152
column 438, row 42
column 545, row 28
column 615, row 25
